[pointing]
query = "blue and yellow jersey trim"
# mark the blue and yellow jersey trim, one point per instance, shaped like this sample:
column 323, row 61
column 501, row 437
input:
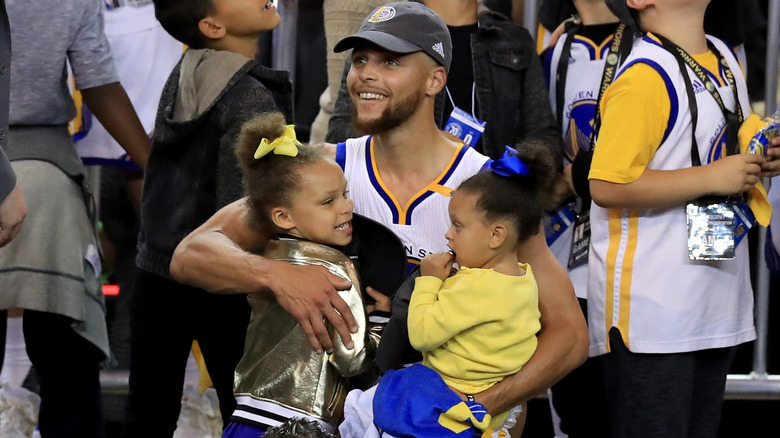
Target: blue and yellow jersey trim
column 623, row 234
column 541, row 32
column 597, row 51
column 403, row 215
column 709, row 64
column 81, row 124
column 719, row 79
column 674, row 104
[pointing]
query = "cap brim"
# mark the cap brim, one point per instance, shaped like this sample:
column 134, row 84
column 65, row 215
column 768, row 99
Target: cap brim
column 381, row 39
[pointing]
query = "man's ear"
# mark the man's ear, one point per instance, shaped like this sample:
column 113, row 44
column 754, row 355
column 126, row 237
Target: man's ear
column 640, row 4
column 282, row 219
column 436, row 81
column 498, row 235
column 211, row 28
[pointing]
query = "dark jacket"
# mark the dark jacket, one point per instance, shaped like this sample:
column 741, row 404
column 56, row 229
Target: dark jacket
column 510, row 88
column 192, row 171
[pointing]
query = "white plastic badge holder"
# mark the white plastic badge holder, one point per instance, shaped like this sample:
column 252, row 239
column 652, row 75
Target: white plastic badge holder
column 711, row 223
column 465, row 126
column 580, row 241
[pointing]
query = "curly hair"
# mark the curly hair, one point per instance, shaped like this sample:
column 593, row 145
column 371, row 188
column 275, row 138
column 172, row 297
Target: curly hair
column 270, row 181
column 519, row 198
column 297, row 428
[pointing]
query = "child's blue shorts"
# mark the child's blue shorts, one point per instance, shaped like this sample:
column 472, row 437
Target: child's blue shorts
column 236, row 430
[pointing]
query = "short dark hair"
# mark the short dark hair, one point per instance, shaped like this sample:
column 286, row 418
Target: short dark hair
column 297, row 428
column 180, row 18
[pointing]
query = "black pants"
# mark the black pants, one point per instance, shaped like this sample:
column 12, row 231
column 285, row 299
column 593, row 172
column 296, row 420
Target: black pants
column 674, row 395
column 165, row 317
column 67, row 367
column 579, row 398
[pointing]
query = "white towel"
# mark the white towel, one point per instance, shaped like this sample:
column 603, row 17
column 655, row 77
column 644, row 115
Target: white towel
column 359, row 415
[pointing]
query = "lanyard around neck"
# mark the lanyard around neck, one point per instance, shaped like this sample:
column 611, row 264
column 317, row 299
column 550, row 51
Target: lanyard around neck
column 617, row 52
column 733, row 121
column 473, row 99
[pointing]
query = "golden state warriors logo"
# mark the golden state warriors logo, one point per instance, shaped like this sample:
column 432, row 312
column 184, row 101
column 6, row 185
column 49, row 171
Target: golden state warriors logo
column 382, row 14
column 580, row 126
column 717, row 149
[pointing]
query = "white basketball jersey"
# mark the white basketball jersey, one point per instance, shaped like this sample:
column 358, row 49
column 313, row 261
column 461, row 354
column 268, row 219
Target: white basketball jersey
column 423, row 221
column 144, row 54
column 583, row 79
column 641, row 279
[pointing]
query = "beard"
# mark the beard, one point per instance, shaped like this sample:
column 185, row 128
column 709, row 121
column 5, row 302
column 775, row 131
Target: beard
column 391, row 118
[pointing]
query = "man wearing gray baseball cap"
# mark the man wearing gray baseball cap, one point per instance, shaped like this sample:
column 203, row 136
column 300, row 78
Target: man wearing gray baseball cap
column 395, row 40
column 404, row 27
column 495, row 94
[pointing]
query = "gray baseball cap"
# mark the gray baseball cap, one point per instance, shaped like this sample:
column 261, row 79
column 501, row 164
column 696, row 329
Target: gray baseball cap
column 404, row 27
column 624, row 13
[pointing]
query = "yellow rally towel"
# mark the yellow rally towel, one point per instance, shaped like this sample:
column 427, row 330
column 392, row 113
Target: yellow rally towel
column 204, row 380
column 461, row 417
column 757, row 198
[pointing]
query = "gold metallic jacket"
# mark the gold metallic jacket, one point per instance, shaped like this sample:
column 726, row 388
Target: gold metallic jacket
column 280, row 375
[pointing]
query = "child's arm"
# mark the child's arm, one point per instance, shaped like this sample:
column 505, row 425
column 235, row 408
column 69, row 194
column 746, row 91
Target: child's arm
column 379, row 315
column 110, row 104
column 437, row 314
column 382, row 303
column 216, row 257
column 771, row 166
column 635, row 117
column 563, row 339
column 731, row 175
column 750, row 127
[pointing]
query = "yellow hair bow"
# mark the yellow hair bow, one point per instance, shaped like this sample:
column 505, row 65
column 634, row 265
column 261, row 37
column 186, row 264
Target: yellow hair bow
column 287, row 144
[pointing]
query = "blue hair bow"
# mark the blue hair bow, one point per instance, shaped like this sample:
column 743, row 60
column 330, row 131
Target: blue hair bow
column 509, row 164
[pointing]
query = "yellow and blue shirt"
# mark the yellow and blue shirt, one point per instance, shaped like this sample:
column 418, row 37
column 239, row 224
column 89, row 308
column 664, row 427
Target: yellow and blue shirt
column 641, row 279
